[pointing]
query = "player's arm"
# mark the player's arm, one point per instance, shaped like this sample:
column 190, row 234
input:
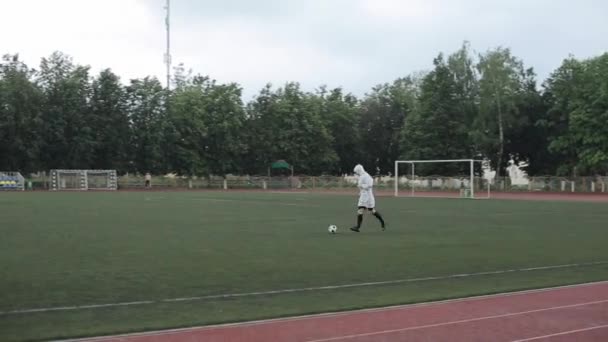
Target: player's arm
column 365, row 183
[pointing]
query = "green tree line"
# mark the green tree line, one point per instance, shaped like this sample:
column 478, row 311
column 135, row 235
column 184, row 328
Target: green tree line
column 469, row 105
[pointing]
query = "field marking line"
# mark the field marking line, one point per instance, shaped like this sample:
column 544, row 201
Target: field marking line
column 563, row 333
column 477, row 319
column 271, row 203
column 341, row 313
column 293, row 290
column 288, row 192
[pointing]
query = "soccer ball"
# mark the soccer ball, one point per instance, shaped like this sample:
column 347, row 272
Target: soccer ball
column 332, row 229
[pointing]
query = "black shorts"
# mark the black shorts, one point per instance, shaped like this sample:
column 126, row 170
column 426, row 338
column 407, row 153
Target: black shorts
column 370, row 209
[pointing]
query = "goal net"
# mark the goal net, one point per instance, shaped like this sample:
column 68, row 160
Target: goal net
column 11, row 180
column 454, row 178
column 83, row 180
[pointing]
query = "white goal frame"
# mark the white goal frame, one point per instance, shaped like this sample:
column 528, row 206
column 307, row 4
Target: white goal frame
column 471, row 163
column 82, row 177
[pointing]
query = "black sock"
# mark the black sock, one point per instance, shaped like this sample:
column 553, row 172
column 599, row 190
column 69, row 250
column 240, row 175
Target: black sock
column 379, row 217
column 359, row 220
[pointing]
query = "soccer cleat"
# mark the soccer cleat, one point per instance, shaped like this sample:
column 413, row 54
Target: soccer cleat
column 355, row 229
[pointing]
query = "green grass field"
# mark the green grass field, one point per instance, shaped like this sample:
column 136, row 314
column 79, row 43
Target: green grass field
column 72, row 249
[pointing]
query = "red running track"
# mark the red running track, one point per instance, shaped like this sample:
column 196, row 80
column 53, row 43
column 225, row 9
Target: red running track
column 572, row 313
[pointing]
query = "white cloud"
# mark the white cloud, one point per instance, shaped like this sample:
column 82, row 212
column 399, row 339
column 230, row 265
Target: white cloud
column 241, row 51
column 122, row 34
column 350, row 43
column 398, row 9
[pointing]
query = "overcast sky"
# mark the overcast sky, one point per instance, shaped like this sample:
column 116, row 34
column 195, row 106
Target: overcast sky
column 350, row 43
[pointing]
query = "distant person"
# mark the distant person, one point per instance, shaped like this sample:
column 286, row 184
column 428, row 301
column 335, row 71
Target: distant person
column 366, row 198
column 148, row 178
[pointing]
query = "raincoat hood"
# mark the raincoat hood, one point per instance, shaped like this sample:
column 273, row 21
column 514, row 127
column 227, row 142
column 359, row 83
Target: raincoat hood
column 359, row 170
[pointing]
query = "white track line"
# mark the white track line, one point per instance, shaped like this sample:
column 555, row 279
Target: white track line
column 339, row 313
column 563, row 333
column 484, row 318
column 294, row 290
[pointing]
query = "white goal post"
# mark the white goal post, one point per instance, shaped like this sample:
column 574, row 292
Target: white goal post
column 83, row 180
column 464, row 185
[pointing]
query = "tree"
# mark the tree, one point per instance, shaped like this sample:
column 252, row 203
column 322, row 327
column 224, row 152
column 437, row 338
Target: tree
column 68, row 140
column 146, row 100
column 187, row 129
column 590, row 117
column 340, row 113
column 287, row 124
column 438, row 129
column 527, row 140
column 576, row 95
column 468, row 106
column 260, row 150
column 20, row 100
column 225, row 115
column 560, row 95
column 462, row 66
column 207, row 121
column 110, row 122
column 501, row 84
column 383, row 113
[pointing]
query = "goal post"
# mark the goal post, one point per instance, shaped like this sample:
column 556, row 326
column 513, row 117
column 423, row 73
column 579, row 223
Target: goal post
column 420, row 178
column 83, row 180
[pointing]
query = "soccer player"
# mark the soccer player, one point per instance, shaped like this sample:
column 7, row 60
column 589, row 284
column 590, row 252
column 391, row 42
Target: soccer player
column 366, row 198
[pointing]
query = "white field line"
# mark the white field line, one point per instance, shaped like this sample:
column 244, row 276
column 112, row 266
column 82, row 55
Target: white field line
column 477, row 319
column 569, row 332
column 269, row 203
column 293, row 290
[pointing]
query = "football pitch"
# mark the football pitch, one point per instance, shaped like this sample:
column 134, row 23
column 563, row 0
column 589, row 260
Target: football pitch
column 86, row 264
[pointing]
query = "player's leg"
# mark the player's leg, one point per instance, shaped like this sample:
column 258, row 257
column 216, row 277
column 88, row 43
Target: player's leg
column 379, row 217
column 371, row 207
column 362, row 205
column 360, row 212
